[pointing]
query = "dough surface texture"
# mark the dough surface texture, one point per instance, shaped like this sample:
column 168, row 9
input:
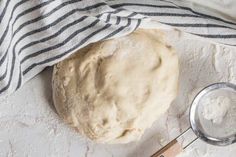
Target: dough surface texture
column 112, row 91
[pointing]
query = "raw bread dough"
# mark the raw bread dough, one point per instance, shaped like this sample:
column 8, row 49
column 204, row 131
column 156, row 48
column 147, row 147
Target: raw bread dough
column 112, row 91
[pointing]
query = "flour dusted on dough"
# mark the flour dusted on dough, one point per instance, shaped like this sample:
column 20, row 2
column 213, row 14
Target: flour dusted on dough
column 112, row 91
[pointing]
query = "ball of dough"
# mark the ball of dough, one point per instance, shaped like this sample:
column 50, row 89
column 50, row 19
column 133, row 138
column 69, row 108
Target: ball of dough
column 112, row 91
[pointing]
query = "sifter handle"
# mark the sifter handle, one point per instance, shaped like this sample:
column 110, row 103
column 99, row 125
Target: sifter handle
column 172, row 149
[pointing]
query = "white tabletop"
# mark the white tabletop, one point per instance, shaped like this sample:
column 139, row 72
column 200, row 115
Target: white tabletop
column 30, row 127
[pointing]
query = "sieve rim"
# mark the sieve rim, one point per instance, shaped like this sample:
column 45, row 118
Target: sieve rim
column 194, row 123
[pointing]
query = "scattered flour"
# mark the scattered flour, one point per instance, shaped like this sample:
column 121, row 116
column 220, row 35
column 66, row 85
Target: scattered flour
column 192, row 152
column 29, row 127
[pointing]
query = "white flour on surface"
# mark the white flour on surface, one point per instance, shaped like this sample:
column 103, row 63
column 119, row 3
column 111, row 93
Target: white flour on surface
column 29, row 125
column 215, row 108
column 201, row 149
column 193, row 152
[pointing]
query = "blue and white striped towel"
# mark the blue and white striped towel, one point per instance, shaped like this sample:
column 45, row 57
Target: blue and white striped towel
column 35, row 34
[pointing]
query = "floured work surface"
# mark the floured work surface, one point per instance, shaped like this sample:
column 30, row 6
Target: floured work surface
column 30, row 126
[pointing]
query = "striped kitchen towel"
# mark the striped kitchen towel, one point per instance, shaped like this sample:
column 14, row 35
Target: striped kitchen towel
column 35, row 34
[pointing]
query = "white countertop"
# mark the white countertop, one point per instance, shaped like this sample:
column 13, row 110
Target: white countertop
column 29, row 126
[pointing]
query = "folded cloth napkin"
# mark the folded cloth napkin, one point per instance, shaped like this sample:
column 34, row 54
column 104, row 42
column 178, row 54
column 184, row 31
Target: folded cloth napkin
column 35, row 34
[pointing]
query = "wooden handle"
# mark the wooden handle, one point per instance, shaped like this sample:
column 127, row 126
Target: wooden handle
column 172, row 149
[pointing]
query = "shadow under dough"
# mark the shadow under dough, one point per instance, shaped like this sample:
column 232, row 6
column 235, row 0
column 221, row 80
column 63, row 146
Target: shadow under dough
column 46, row 77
